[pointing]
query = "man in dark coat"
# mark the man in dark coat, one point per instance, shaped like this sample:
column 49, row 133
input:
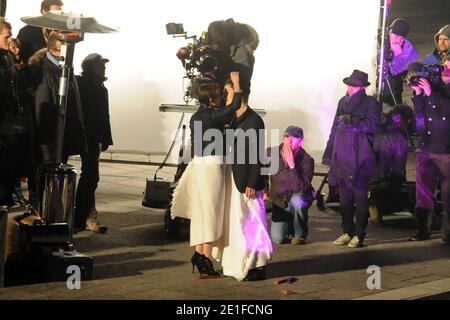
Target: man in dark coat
column 290, row 189
column 391, row 146
column 95, row 105
column 432, row 109
column 352, row 157
column 47, row 109
column 10, row 130
column 33, row 38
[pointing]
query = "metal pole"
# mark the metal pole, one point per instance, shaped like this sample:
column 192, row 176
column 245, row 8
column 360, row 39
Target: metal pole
column 66, row 62
column 382, row 63
column 2, row 8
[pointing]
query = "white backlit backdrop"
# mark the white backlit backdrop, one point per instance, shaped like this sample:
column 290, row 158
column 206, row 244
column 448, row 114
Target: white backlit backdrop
column 306, row 49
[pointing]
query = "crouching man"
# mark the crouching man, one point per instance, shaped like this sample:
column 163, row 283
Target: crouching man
column 290, row 189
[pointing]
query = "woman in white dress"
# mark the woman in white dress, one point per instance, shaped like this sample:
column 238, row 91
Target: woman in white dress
column 200, row 194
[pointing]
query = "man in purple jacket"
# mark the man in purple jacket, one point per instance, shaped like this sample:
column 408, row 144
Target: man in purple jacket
column 350, row 152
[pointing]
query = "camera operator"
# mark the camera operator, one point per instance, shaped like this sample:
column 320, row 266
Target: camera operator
column 236, row 44
column 442, row 40
column 432, row 108
column 401, row 53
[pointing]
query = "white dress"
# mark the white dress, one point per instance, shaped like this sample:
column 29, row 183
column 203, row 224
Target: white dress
column 200, row 197
column 245, row 243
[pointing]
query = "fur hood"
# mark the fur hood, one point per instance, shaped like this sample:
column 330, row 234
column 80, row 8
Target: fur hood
column 248, row 36
column 444, row 31
column 36, row 59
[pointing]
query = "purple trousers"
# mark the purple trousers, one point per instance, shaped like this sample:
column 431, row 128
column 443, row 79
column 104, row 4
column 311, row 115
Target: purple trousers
column 430, row 169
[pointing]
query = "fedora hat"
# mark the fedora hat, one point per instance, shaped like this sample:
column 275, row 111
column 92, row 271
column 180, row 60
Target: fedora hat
column 357, row 79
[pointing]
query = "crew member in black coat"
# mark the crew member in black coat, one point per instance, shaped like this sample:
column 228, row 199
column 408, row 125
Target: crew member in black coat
column 95, row 105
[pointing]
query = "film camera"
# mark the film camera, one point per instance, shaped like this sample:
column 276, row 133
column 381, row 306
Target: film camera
column 198, row 58
column 430, row 72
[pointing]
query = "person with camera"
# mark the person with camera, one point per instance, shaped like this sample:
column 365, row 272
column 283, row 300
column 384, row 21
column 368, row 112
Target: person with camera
column 400, row 53
column 200, row 194
column 350, row 153
column 95, row 106
column 442, row 41
column 290, row 189
column 432, row 109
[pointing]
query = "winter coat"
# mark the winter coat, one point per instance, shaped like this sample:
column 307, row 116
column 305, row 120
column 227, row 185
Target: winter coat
column 437, row 57
column 95, row 105
column 433, row 120
column 288, row 181
column 350, row 143
column 47, row 113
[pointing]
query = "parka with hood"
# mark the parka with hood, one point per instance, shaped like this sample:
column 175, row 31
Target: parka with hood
column 437, row 57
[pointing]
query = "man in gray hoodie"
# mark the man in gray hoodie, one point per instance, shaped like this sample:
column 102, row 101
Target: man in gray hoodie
column 442, row 40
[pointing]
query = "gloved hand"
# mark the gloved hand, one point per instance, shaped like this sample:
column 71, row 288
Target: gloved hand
column 345, row 118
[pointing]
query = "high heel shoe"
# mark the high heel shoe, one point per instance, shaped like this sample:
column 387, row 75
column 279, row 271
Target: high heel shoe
column 204, row 266
column 194, row 260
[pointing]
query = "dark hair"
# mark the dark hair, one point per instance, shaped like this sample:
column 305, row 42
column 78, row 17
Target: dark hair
column 208, row 91
column 4, row 25
column 46, row 4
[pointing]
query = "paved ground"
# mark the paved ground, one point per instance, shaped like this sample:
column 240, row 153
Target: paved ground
column 135, row 259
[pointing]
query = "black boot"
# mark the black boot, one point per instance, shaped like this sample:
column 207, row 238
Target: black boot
column 256, row 274
column 423, row 218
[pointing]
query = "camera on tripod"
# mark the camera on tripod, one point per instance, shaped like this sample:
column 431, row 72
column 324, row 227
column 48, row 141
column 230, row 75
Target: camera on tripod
column 198, row 58
column 418, row 70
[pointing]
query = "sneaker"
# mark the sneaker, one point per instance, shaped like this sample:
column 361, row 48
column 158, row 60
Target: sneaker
column 356, row 243
column 95, row 226
column 298, row 241
column 342, row 240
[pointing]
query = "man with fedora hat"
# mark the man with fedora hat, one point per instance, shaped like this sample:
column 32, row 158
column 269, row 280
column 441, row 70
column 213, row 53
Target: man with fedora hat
column 401, row 53
column 350, row 152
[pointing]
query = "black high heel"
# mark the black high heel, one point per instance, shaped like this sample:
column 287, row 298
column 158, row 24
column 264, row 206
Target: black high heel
column 194, row 260
column 210, row 272
column 204, row 266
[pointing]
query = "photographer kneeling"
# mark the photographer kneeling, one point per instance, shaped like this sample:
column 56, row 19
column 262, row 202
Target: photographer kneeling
column 432, row 108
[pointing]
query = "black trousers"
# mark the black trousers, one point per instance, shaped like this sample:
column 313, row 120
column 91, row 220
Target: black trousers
column 87, row 185
column 354, row 205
